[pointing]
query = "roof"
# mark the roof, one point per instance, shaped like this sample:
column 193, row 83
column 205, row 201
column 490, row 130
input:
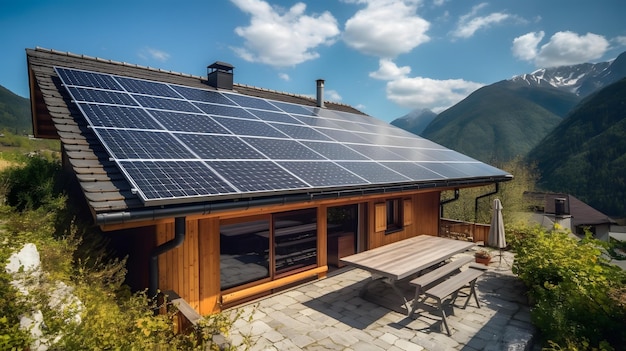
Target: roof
column 581, row 213
column 106, row 188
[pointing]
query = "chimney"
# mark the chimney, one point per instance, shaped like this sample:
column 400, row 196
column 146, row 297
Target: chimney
column 220, row 75
column 320, row 93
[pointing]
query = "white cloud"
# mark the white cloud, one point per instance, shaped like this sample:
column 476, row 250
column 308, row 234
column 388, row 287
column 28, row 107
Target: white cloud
column 564, row 48
column 283, row 38
column 388, row 70
column 470, row 23
column 621, row 40
column 154, row 54
column 525, row 46
column 436, row 95
column 332, row 95
column 386, row 28
column 420, row 92
column 284, row 76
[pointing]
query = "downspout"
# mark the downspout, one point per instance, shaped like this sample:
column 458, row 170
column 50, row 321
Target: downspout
column 481, row 196
column 179, row 238
column 446, row 201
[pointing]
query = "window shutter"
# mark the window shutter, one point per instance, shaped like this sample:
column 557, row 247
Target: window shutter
column 407, row 212
column 380, row 217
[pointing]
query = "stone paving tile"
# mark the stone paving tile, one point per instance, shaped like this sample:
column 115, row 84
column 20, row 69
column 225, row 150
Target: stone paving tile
column 329, row 314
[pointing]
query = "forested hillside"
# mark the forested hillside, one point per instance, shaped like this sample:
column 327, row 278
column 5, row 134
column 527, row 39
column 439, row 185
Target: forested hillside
column 586, row 154
column 501, row 121
column 14, row 113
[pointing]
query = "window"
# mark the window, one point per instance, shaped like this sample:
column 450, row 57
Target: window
column 394, row 215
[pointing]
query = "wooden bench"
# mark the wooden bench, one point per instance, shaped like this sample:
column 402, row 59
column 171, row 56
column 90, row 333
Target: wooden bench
column 451, row 287
column 422, row 282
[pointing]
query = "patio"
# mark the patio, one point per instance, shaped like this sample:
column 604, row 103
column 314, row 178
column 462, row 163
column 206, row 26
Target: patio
column 328, row 314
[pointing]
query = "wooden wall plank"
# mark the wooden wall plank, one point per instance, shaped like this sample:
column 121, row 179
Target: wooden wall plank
column 209, row 265
column 322, row 239
column 192, row 259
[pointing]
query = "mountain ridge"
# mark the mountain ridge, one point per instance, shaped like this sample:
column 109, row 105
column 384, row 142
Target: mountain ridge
column 588, row 149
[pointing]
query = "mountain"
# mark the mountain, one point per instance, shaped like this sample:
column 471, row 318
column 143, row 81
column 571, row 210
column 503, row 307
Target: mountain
column 14, row 112
column 582, row 79
column 415, row 121
column 508, row 118
column 501, row 121
column 585, row 155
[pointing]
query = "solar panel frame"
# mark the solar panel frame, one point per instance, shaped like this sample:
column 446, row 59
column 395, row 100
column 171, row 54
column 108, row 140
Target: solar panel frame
column 179, row 144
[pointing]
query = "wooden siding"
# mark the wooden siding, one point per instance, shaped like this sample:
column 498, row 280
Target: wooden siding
column 421, row 208
column 192, row 270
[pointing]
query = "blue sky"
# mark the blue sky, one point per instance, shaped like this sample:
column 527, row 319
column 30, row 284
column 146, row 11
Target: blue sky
column 385, row 57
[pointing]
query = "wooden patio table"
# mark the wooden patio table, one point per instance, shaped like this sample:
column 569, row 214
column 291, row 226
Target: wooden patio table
column 406, row 258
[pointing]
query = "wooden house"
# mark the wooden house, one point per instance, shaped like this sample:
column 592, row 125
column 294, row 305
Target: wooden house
column 224, row 192
column 569, row 213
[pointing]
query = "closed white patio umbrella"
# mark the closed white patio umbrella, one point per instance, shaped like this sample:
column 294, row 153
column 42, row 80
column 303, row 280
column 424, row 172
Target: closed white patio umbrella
column 496, row 231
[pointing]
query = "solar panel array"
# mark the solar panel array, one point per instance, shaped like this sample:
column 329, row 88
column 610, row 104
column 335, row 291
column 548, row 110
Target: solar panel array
column 175, row 143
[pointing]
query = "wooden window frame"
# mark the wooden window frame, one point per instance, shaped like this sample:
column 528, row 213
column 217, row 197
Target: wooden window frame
column 393, row 215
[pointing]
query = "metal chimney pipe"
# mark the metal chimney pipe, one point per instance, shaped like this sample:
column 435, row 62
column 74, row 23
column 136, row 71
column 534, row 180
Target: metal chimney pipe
column 320, row 93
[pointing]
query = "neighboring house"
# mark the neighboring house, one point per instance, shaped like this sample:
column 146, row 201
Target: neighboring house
column 570, row 213
column 223, row 192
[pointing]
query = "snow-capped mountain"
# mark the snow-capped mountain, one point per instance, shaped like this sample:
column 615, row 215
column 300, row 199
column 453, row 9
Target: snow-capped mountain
column 581, row 79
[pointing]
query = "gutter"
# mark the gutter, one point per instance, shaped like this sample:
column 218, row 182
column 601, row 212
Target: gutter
column 179, row 238
column 481, row 196
column 446, row 201
column 163, row 212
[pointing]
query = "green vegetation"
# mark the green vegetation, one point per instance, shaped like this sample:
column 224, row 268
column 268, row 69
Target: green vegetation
column 501, row 121
column 579, row 300
column 96, row 311
column 14, row 112
column 510, row 194
column 586, row 154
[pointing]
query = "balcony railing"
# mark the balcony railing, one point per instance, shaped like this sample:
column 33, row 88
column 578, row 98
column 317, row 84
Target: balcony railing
column 459, row 230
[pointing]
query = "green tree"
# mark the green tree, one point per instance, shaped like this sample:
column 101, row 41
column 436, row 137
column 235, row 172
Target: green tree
column 510, row 193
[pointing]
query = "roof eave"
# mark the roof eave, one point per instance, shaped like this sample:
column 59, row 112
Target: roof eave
column 142, row 214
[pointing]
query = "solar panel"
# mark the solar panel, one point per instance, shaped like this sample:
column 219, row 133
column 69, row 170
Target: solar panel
column 174, row 180
column 374, row 172
column 118, row 116
column 175, row 143
column 413, row 171
column 187, row 122
column 102, row 96
column 140, row 144
column 217, row 147
column 147, row 87
column 202, row 95
column 247, row 101
column 247, row 127
column 254, row 176
column 274, row 116
column 87, row 79
column 323, row 174
column 165, row 104
column 228, row 111
column 283, row 149
column 300, row 132
column 334, row 151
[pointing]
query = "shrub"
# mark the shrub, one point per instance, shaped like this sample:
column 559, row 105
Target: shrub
column 33, row 185
column 71, row 252
column 576, row 294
